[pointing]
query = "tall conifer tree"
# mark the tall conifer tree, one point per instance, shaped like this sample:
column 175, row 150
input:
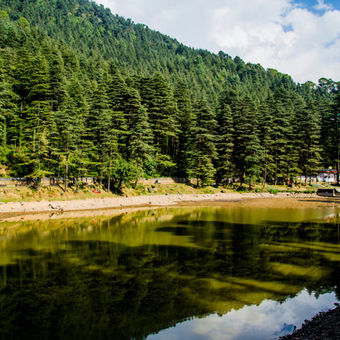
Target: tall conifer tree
column 203, row 149
column 185, row 118
column 225, row 144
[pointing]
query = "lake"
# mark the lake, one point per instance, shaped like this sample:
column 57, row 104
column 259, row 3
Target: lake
column 214, row 271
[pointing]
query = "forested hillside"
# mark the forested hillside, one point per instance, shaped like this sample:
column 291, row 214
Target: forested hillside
column 86, row 93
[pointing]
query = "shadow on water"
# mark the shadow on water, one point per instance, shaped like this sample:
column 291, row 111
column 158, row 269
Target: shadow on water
column 134, row 275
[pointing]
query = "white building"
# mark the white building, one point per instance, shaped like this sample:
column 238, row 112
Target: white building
column 327, row 176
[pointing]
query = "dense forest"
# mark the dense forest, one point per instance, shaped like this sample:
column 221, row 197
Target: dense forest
column 84, row 92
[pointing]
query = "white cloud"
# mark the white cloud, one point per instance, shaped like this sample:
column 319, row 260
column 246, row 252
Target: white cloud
column 278, row 33
column 268, row 320
column 306, row 50
column 321, row 6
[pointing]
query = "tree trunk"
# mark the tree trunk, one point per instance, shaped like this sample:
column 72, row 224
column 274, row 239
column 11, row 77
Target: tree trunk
column 20, row 128
column 38, row 184
column 264, row 176
column 66, row 176
column 337, row 151
column 76, row 183
column 109, row 176
column 337, row 171
column 101, row 178
column 265, row 169
column 66, row 168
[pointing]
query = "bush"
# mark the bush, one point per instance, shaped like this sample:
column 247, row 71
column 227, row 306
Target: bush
column 260, row 190
column 309, row 191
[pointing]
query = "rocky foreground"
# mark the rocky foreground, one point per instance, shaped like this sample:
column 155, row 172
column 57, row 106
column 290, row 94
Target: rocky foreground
column 324, row 326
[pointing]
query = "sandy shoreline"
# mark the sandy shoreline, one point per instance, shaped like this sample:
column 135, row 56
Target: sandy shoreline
column 24, row 208
column 117, row 202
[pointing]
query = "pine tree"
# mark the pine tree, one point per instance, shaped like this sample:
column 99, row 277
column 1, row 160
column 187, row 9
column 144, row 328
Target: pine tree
column 266, row 139
column 225, row 144
column 21, row 86
column 117, row 89
column 282, row 132
column 4, row 28
column 185, row 118
column 309, row 137
column 39, row 120
column 163, row 116
column 328, row 130
column 101, row 126
column 203, row 150
column 56, row 78
column 336, row 121
column 68, row 136
column 140, row 145
column 248, row 152
column 118, row 95
column 8, row 105
column 82, row 133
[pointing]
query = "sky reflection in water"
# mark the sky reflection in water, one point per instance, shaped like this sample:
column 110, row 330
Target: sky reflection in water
column 268, row 320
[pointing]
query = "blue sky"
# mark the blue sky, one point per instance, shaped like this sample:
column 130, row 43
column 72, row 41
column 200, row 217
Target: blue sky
column 300, row 38
column 310, row 4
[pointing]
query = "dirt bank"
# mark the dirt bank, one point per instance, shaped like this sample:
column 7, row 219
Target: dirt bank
column 118, row 202
column 14, row 209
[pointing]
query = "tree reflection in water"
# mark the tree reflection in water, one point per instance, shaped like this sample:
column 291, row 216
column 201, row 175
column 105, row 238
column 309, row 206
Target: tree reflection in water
column 134, row 275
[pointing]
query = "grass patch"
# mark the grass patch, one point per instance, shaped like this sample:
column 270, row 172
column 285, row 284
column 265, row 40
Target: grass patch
column 55, row 193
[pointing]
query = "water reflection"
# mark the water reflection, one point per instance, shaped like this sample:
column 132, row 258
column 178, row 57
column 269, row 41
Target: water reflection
column 268, row 320
column 137, row 274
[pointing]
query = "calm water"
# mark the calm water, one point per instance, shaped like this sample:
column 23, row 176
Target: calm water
column 180, row 273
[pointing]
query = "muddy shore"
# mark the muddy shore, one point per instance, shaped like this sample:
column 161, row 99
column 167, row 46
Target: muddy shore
column 133, row 201
column 117, row 205
column 115, row 202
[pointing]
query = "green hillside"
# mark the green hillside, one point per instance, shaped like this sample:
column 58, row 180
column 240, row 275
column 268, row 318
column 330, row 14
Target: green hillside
column 84, row 92
column 94, row 31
